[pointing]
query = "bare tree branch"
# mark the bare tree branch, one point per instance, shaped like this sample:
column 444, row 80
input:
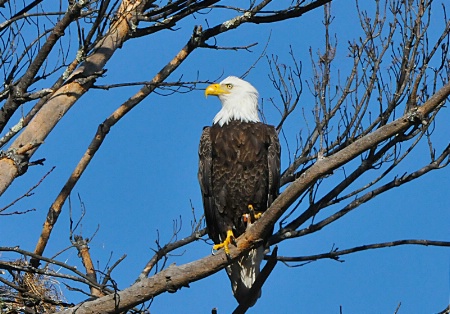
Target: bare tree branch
column 335, row 254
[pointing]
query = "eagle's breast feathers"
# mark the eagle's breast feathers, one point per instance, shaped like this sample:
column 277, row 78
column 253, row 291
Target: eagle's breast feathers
column 239, row 166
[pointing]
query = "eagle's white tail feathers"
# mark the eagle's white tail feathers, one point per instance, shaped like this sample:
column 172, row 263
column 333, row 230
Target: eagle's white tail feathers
column 243, row 274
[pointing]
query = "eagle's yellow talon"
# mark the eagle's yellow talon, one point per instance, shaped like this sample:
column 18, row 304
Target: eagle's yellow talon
column 229, row 239
column 251, row 216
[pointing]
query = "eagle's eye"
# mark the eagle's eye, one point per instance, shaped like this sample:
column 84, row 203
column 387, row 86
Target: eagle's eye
column 229, row 86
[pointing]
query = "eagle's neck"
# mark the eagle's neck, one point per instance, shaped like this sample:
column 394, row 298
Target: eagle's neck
column 244, row 109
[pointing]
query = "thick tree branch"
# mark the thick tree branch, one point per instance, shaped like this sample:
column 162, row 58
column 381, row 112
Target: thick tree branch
column 63, row 99
column 17, row 91
column 83, row 251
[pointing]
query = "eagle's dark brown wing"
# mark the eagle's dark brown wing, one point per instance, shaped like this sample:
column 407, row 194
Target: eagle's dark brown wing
column 273, row 159
column 205, row 180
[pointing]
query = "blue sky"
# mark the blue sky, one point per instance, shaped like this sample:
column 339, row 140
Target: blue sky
column 145, row 177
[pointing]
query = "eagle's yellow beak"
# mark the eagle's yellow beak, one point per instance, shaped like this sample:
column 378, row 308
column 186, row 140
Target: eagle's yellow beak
column 215, row 90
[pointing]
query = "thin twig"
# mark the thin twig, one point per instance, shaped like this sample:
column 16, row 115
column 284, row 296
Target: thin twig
column 335, row 254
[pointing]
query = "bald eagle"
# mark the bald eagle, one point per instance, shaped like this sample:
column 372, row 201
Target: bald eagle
column 239, row 175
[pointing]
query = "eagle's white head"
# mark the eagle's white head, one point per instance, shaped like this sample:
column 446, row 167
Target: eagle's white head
column 239, row 100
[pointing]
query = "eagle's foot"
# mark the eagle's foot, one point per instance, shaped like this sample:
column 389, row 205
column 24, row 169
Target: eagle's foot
column 229, row 239
column 251, row 217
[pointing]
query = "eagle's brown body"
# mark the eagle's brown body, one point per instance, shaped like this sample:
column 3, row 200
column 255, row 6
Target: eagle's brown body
column 239, row 166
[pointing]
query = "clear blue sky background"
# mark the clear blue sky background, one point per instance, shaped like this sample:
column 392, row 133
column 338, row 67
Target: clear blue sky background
column 145, row 176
